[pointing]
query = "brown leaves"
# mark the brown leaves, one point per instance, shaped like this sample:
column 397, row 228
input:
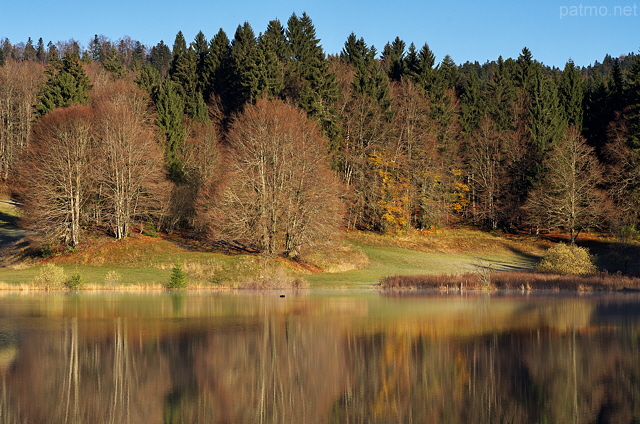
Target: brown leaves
column 279, row 195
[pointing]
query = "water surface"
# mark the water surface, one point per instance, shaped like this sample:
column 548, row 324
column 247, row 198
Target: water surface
column 319, row 358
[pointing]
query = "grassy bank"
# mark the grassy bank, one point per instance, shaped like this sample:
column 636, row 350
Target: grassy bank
column 143, row 262
column 362, row 260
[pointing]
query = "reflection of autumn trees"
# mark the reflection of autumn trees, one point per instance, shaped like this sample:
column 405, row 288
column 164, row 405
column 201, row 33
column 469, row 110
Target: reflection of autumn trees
column 256, row 360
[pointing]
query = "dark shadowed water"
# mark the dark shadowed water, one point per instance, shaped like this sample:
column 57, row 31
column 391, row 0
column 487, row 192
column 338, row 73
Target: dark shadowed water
column 319, row 358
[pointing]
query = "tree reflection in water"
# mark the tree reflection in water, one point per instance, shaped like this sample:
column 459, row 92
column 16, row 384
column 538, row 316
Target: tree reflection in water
column 356, row 359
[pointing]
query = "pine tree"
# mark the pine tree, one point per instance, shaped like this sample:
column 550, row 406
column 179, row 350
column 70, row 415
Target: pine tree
column 316, row 90
column 29, row 52
column 472, row 105
column 41, row 54
column 393, row 56
column 184, row 72
column 200, row 46
column 66, row 85
column 633, row 79
column 370, row 79
column 95, row 49
column 273, row 48
column 545, row 120
column 525, row 68
column 218, row 69
column 412, row 63
column 160, row 58
column 571, row 95
column 244, row 87
column 170, row 120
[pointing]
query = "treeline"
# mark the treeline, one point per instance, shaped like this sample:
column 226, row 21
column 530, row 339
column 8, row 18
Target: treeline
column 401, row 140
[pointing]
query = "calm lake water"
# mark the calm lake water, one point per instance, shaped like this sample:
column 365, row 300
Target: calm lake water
column 319, row 358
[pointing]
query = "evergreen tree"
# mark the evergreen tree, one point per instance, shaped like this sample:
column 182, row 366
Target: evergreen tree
column 545, row 120
column 95, row 49
column 525, row 68
column 41, row 54
column 29, row 52
column 184, row 72
column 245, row 84
column 218, row 69
column 424, row 70
column 633, row 79
column 315, row 90
column 370, row 79
column 393, row 56
column 53, row 53
column 170, row 120
column 571, row 95
column 502, row 95
column 149, row 79
column 412, row 62
column 138, row 56
column 200, row 46
column 472, row 105
column 113, row 62
column 160, row 58
column 66, row 85
column 273, row 49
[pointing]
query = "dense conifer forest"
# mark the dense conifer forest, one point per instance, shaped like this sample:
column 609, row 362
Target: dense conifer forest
column 265, row 142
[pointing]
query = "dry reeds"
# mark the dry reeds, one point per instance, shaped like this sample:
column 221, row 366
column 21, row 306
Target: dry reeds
column 511, row 281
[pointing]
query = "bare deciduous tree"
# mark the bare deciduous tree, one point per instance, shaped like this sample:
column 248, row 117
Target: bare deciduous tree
column 129, row 159
column 280, row 194
column 18, row 88
column 56, row 174
column 568, row 196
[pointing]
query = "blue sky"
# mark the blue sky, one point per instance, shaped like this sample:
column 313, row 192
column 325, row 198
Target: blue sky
column 467, row 30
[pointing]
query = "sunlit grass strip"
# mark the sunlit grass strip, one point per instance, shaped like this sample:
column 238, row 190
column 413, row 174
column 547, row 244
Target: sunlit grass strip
column 510, row 281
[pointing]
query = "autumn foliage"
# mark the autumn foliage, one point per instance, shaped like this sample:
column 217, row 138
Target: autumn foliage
column 279, row 194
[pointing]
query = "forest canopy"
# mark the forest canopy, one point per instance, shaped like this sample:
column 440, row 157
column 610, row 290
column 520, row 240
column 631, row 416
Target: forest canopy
column 119, row 136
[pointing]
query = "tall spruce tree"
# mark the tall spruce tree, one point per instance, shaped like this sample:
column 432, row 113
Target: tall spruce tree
column 633, row 79
column 393, row 57
column 307, row 68
column 245, row 85
column 273, row 53
column 571, row 95
column 66, row 85
column 472, row 105
column 200, row 46
column 184, row 72
column 218, row 68
column 170, row 120
column 545, row 119
column 160, row 58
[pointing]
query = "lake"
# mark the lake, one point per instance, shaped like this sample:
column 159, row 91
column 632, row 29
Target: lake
column 319, row 357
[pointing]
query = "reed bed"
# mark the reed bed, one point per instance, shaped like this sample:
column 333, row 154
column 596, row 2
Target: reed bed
column 511, row 281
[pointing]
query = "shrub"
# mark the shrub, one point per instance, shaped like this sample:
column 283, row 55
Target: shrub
column 50, row 277
column 178, row 279
column 567, row 260
column 74, row 283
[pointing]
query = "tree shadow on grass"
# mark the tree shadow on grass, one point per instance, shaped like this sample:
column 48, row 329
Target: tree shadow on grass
column 615, row 256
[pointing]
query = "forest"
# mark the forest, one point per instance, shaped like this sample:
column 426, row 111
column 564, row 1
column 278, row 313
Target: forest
column 264, row 142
